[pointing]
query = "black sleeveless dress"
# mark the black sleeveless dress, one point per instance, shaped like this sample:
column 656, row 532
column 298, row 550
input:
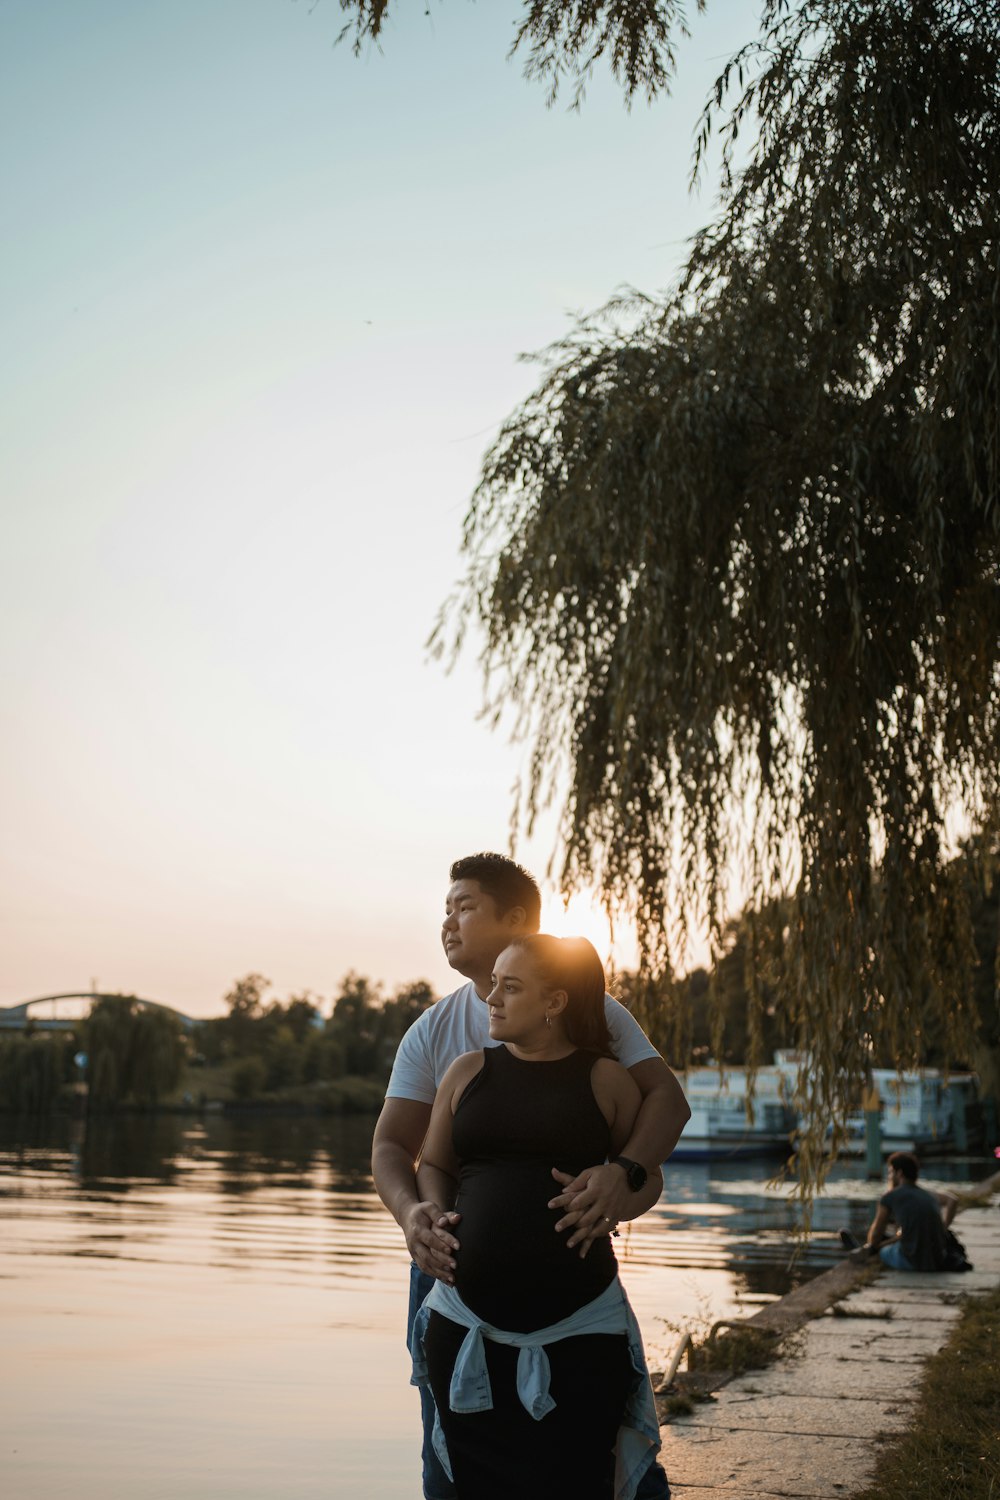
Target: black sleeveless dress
column 515, row 1122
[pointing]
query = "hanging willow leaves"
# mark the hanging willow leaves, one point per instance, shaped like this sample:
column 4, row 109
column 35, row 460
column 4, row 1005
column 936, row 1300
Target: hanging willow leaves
column 737, row 558
column 563, row 39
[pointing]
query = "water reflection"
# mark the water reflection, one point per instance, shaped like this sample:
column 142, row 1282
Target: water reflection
column 237, row 1280
column 131, row 1149
column 275, row 1190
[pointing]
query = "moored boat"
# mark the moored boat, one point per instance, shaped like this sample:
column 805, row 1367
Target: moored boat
column 722, row 1128
column 917, row 1110
column 923, row 1111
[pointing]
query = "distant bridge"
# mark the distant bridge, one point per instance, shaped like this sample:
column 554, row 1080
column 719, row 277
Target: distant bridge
column 19, row 1017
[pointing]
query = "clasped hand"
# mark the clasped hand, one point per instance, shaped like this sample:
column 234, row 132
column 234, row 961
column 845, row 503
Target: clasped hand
column 594, row 1201
column 431, row 1245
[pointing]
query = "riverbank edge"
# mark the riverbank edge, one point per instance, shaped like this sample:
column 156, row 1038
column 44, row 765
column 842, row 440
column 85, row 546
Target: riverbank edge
column 353, row 1094
column 867, row 1403
column 765, row 1330
column 768, row 1327
column 951, row 1450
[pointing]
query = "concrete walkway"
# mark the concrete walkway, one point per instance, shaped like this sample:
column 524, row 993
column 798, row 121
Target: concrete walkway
column 810, row 1424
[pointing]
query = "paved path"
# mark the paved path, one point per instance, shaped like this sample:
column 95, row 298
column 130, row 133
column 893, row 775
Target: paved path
column 810, row 1425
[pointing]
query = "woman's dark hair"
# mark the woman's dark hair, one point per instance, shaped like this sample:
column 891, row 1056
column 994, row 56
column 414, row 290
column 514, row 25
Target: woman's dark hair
column 572, row 964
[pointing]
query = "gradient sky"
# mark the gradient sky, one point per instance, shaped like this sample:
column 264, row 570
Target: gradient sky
column 262, row 303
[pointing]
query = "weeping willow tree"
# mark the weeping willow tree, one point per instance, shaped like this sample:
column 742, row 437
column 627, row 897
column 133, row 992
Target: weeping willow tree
column 136, row 1053
column 736, row 560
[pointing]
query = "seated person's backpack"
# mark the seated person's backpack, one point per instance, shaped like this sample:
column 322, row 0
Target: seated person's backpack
column 955, row 1256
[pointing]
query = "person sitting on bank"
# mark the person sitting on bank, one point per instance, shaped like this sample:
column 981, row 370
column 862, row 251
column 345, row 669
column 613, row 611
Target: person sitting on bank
column 921, row 1219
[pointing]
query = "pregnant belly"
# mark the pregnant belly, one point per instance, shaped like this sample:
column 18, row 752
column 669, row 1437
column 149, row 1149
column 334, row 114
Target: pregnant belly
column 513, row 1269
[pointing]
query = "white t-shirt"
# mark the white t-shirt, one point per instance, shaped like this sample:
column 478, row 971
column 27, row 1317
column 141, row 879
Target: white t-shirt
column 460, row 1023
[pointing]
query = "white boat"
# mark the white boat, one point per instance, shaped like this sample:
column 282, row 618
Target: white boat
column 720, row 1127
column 917, row 1109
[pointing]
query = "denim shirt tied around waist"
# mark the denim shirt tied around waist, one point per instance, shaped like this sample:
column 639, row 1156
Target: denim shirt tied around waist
column 639, row 1433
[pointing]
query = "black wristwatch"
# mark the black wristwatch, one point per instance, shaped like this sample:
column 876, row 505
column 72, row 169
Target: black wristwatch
column 635, row 1172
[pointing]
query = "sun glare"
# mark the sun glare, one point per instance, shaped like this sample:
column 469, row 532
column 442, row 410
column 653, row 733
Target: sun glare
column 584, row 916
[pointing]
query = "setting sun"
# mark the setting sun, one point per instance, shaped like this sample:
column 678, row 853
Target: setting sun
column 584, row 916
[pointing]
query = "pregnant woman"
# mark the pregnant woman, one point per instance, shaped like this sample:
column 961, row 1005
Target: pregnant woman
column 533, row 1356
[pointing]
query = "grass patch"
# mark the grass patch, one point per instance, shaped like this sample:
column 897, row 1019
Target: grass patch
column 683, row 1403
column 952, row 1451
column 737, row 1350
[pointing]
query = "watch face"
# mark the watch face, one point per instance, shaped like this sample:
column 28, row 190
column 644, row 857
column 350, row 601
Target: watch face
column 635, row 1173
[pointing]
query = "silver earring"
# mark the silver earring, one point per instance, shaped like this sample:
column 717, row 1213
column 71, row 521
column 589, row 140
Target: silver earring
column 548, row 1019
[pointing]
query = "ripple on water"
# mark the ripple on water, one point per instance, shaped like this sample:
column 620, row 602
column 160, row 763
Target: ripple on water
column 239, row 1282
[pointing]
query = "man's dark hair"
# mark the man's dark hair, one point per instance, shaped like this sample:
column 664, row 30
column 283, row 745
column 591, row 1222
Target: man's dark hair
column 508, row 883
column 905, row 1162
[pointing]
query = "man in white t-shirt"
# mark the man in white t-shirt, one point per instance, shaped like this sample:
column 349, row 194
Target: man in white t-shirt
column 490, row 900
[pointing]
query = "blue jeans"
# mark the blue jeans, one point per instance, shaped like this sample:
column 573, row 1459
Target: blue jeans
column 437, row 1486
column 893, row 1257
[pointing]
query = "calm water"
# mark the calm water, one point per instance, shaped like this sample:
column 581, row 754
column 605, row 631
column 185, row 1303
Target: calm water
column 215, row 1309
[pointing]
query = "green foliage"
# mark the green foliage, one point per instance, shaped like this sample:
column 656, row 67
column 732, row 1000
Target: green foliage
column 351, row 1096
column 355, row 1023
column 300, row 1016
column 736, row 1350
column 280, row 1050
column 322, row 1059
column 709, row 1014
column 400, row 1012
column 245, row 1001
column 33, row 1071
column 249, row 1077
column 367, row 1028
column 984, row 903
column 135, row 1053
column 284, row 1059
column 260, row 1050
column 719, row 1014
column 681, row 1405
column 567, row 38
column 737, row 559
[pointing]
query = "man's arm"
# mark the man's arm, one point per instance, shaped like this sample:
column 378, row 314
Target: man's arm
column 399, row 1135
column 439, row 1167
column 663, row 1113
column 948, row 1204
column 600, row 1196
column 876, row 1233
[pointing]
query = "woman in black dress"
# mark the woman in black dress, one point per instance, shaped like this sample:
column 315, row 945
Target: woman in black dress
column 550, row 1096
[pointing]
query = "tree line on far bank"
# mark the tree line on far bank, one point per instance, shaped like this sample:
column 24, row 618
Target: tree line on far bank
column 261, row 1051
column 268, row 1052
